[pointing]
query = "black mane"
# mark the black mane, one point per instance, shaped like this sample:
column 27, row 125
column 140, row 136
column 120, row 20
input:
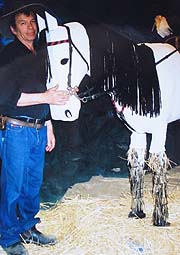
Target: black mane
column 121, row 66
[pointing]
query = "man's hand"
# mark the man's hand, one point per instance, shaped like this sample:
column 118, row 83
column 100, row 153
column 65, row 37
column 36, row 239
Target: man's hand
column 57, row 97
column 50, row 137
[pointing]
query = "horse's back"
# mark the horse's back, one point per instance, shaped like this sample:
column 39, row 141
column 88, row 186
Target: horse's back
column 169, row 79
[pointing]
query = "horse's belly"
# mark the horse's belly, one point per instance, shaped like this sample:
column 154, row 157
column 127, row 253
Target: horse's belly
column 142, row 124
column 147, row 124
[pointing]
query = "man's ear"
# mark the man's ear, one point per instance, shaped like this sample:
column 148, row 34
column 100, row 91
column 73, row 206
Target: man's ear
column 13, row 30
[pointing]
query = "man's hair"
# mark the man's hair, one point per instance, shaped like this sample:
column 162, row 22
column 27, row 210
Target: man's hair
column 26, row 11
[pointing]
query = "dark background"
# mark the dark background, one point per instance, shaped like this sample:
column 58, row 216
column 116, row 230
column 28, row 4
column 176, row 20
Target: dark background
column 138, row 13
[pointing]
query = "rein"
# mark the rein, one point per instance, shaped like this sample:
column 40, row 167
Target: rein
column 86, row 99
column 167, row 56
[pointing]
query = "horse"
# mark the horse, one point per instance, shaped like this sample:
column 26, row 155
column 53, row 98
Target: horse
column 144, row 110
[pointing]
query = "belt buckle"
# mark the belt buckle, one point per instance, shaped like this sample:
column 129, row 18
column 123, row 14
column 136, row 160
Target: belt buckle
column 2, row 123
column 36, row 122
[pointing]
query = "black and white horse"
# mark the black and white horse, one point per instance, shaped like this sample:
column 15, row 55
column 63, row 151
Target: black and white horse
column 147, row 100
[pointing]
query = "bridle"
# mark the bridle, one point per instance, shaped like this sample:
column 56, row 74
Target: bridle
column 71, row 90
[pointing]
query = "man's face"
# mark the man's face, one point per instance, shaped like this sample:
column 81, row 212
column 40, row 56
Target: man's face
column 26, row 28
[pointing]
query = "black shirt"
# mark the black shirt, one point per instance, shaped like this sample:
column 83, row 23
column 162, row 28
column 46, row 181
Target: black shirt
column 21, row 71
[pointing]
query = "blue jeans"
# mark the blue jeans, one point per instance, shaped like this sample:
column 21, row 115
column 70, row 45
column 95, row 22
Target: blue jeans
column 23, row 153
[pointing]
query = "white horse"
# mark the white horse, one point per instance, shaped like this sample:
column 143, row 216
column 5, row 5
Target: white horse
column 69, row 54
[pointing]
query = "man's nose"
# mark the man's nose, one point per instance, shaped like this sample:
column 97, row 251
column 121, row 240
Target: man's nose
column 30, row 26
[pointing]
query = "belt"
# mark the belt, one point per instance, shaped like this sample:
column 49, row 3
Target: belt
column 24, row 121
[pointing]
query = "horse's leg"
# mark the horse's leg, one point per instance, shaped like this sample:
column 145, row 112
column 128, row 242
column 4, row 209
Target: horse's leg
column 136, row 155
column 159, row 163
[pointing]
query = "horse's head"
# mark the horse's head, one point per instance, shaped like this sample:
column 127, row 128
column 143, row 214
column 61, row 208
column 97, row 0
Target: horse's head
column 68, row 50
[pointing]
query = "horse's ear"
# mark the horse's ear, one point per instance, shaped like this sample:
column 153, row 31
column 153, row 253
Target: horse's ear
column 52, row 22
column 41, row 23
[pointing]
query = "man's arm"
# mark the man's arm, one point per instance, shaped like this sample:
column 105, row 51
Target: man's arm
column 51, row 96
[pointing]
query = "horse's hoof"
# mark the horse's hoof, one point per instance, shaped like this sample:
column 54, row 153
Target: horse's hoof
column 162, row 224
column 137, row 215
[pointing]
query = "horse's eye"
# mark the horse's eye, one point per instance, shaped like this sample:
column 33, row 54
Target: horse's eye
column 64, row 61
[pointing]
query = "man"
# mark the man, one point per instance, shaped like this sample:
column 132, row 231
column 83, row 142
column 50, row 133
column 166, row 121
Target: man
column 26, row 132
